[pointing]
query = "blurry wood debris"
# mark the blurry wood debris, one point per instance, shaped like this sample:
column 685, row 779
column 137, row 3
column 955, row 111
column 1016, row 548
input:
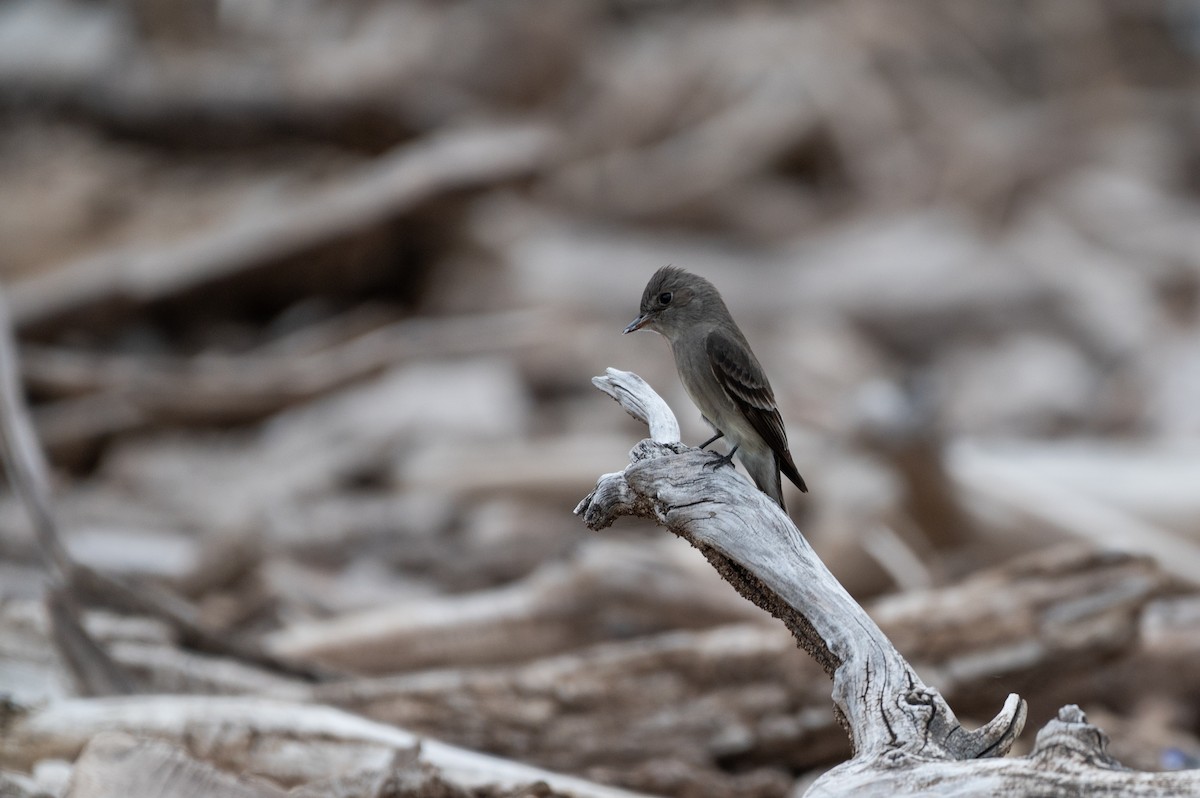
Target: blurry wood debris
column 411, row 175
column 114, row 764
column 309, row 297
column 607, row 590
column 281, row 741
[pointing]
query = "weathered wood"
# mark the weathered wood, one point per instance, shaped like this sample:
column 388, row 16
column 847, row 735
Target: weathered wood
column 286, row 742
column 906, row 738
column 629, row 390
column 637, row 589
column 1046, row 621
column 95, row 671
column 1026, row 490
column 26, row 463
column 29, row 473
column 391, row 186
column 993, row 190
column 230, row 479
column 116, row 765
column 737, row 693
column 15, row 785
column 741, row 701
column 1068, row 760
column 222, row 389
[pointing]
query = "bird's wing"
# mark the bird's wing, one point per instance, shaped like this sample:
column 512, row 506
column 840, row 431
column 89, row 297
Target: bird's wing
column 743, row 379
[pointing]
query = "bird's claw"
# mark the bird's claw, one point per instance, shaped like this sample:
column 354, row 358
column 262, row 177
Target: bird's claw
column 719, row 461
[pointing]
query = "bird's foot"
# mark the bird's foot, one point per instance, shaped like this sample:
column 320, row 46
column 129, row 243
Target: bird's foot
column 722, row 459
column 718, row 436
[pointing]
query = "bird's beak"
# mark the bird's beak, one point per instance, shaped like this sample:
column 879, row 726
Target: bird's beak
column 637, row 324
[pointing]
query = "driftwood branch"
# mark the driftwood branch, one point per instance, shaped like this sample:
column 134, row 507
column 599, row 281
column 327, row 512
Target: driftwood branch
column 558, row 607
column 74, row 584
column 24, row 461
column 396, row 183
column 285, row 742
column 905, row 737
column 100, row 394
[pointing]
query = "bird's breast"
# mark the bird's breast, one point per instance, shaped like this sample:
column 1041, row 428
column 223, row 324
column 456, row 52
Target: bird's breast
column 695, row 372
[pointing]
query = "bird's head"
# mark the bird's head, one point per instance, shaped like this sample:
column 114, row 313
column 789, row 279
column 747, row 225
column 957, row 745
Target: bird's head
column 674, row 301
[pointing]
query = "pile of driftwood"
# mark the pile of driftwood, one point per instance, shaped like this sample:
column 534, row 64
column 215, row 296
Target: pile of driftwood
column 304, row 305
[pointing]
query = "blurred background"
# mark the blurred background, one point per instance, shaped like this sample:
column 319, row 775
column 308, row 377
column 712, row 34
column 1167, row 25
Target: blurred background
column 309, row 295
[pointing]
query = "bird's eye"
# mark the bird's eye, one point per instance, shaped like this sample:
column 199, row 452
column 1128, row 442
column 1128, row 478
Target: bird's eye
column 664, row 298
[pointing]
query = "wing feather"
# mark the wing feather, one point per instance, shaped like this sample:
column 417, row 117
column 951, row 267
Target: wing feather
column 739, row 373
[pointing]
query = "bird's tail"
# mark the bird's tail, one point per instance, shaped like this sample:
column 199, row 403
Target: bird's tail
column 763, row 467
column 777, row 493
column 790, row 471
column 770, row 482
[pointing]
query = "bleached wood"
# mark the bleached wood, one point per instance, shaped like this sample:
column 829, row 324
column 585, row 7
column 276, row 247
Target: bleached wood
column 26, row 464
column 395, row 183
column 224, row 388
column 29, row 474
column 641, row 402
column 1049, row 620
column 560, row 606
column 115, row 765
column 906, row 738
column 1031, row 492
column 286, row 742
column 24, row 461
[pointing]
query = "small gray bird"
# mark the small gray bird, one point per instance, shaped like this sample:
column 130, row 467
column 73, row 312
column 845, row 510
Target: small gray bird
column 721, row 374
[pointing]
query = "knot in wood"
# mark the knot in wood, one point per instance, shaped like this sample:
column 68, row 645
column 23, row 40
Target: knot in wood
column 648, row 449
column 921, row 696
column 1070, row 736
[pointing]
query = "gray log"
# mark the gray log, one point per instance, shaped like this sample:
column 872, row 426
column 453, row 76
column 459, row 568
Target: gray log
column 905, row 737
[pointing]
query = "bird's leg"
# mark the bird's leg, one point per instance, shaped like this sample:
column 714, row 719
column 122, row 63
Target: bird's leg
column 722, row 459
column 716, row 437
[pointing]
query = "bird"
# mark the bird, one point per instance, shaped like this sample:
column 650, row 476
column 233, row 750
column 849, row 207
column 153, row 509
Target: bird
column 721, row 375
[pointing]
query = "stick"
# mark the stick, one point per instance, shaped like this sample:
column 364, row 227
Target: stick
column 905, row 737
